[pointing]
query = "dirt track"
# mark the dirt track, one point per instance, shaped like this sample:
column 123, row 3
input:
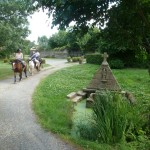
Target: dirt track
column 19, row 129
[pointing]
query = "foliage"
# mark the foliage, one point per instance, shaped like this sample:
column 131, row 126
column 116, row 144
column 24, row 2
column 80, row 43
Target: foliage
column 57, row 40
column 94, row 58
column 87, row 131
column 75, row 59
column 13, row 24
column 88, row 42
column 125, row 25
column 78, row 10
column 49, row 106
column 5, row 70
column 43, row 43
column 72, row 40
column 61, row 48
column 116, row 64
column 111, row 116
column 69, row 59
column 131, row 23
column 5, row 60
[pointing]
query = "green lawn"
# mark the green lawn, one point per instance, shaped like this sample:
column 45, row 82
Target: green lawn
column 5, row 70
column 55, row 112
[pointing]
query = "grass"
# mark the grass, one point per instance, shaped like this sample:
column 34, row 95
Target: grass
column 55, row 112
column 5, row 70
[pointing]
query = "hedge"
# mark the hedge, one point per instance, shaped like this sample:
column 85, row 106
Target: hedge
column 94, row 59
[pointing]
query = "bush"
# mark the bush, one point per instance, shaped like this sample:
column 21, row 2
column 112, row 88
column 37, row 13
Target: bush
column 75, row 59
column 5, row 60
column 111, row 116
column 116, row 64
column 11, row 60
column 87, row 130
column 43, row 61
column 69, row 59
column 94, row 59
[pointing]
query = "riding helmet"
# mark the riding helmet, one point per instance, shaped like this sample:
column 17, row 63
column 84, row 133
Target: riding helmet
column 19, row 50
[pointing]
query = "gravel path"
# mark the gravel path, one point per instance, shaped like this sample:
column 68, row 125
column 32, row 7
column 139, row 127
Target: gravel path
column 19, row 129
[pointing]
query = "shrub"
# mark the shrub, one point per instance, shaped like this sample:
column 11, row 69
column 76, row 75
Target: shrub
column 11, row 60
column 94, row 59
column 5, row 60
column 75, row 59
column 110, row 115
column 69, row 59
column 43, row 61
column 87, row 130
column 116, row 64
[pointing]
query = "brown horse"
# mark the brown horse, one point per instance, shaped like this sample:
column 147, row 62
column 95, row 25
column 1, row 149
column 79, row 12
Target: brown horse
column 18, row 68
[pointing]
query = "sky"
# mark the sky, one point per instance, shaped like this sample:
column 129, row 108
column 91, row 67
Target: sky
column 40, row 25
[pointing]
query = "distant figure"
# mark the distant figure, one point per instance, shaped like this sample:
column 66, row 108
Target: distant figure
column 19, row 57
column 36, row 57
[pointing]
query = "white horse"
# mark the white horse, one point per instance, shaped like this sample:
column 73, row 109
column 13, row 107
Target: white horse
column 33, row 66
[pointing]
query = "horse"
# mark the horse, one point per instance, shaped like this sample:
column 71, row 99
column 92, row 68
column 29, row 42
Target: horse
column 18, row 68
column 31, row 67
column 34, row 65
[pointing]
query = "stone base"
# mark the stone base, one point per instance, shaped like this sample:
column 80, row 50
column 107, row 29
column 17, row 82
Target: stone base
column 89, row 103
column 89, row 91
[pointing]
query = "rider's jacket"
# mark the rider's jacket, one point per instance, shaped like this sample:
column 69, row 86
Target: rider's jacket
column 19, row 56
column 35, row 56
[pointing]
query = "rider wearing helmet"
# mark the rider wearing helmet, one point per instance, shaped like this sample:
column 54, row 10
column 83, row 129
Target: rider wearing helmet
column 35, row 57
column 19, row 56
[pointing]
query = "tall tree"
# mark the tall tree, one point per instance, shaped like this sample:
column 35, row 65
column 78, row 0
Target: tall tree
column 43, row 43
column 13, row 24
column 128, row 29
column 58, row 39
column 128, row 22
column 79, row 11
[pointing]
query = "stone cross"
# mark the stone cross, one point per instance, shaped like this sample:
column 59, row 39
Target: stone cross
column 105, row 56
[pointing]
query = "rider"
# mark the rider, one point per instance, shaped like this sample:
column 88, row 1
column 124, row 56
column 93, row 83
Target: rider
column 19, row 56
column 36, row 57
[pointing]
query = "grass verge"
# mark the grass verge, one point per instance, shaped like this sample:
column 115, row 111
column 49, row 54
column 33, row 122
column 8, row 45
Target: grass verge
column 54, row 111
column 5, row 70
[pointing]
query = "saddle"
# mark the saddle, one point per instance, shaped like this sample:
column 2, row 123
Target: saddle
column 16, row 61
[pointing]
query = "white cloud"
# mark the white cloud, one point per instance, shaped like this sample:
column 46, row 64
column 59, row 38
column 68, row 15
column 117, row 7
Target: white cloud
column 40, row 25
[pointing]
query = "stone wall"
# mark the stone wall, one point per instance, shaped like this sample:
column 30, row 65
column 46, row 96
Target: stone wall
column 54, row 54
column 60, row 54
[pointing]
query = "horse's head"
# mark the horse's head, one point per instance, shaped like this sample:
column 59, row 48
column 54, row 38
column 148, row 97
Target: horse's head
column 17, row 66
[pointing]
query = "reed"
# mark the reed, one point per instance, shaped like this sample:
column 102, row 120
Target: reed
column 110, row 115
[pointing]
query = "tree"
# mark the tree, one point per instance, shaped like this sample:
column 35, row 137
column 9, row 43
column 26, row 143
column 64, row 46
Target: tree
column 127, row 32
column 13, row 24
column 80, row 11
column 128, row 22
column 43, row 43
column 89, row 41
column 58, row 40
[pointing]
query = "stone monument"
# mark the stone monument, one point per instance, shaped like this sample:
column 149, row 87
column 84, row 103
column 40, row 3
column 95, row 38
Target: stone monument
column 102, row 80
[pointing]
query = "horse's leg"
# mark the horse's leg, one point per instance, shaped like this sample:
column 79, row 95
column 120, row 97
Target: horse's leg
column 25, row 71
column 20, row 75
column 32, row 71
column 38, row 66
column 14, row 77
